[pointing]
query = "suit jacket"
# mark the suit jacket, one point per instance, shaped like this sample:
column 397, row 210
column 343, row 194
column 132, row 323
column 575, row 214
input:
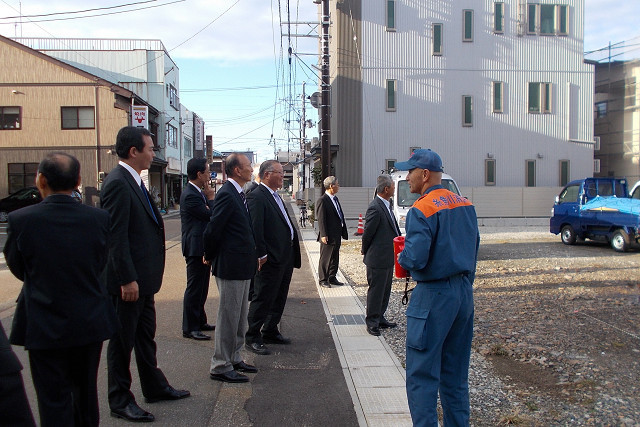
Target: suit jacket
column 329, row 223
column 137, row 250
column 195, row 213
column 58, row 248
column 228, row 238
column 379, row 232
column 270, row 229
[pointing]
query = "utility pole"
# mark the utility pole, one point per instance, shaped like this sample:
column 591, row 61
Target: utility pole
column 303, row 132
column 325, row 135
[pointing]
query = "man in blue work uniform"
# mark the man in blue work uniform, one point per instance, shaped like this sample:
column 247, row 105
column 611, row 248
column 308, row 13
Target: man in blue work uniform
column 441, row 248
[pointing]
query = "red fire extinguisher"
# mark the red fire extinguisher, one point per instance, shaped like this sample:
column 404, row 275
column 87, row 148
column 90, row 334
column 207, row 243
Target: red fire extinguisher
column 398, row 246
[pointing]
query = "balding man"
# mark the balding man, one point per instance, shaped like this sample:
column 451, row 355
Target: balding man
column 59, row 249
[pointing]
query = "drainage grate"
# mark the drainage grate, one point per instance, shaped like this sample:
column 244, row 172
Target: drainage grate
column 348, row 319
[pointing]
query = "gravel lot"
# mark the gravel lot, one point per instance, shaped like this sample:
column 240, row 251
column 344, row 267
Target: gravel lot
column 557, row 330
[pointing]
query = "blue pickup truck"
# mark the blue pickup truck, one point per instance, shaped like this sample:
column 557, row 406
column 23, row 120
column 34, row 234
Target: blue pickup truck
column 597, row 209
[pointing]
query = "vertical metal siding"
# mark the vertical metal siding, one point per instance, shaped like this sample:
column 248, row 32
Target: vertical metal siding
column 430, row 89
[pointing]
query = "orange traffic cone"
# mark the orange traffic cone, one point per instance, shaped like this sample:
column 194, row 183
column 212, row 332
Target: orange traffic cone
column 360, row 230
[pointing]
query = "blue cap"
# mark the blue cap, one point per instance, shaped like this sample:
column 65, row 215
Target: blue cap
column 423, row 159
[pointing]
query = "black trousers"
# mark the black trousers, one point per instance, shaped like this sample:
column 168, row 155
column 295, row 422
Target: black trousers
column 66, row 380
column 379, row 280
column 329, row 260
column 137, row 332
column 270, row 290
column 14, row 405
column 195, row 296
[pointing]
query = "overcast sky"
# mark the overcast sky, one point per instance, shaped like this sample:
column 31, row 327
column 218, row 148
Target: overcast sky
column 232, row 60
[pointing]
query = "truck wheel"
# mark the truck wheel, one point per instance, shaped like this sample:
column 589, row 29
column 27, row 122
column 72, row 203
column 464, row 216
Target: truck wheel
column 620, row 241
column 568, row 235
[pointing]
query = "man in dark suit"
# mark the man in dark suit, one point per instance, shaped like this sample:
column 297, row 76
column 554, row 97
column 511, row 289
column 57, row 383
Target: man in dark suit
column 134, row 276
column 231, row 248
column 278, row 253
column 59, row 249
column 331, row 228
column 14, row 405
column 195, row 212
column 380, row 228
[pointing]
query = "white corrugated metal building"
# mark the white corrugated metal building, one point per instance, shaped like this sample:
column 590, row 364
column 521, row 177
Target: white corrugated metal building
column 499, row 89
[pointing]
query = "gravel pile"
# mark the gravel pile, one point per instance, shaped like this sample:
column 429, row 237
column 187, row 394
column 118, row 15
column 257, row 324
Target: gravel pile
column 557, row 330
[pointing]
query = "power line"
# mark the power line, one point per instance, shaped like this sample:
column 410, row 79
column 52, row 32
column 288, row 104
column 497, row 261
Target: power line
column 77, row 11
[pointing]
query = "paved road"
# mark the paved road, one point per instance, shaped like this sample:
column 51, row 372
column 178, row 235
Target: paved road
column 298, row 385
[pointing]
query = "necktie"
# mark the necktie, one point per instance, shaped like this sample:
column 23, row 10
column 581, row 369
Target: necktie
column 244, row 200
column 203, row 196
column 340, row 214
column 283, row 210
column 146, row 194
column 395, row 223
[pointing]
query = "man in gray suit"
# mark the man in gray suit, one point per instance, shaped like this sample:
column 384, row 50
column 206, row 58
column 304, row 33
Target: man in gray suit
column 380, row 229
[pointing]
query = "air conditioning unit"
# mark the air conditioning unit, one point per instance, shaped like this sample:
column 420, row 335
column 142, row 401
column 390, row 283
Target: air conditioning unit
column 596, row 143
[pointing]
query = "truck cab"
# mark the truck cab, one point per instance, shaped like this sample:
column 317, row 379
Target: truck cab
column 403, row 198
column 597, row 209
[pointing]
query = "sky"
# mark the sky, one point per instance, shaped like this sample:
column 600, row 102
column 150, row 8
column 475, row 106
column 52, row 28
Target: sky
column 234, row 65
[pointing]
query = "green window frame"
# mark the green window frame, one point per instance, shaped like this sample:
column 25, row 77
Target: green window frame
column 436, row 31
column 467, row 110
column 490, row 172
column 540, row 98
column 530, row 173
column 498, row 97
column 532, row 18
column 564, row 172
column 391, row 15
column 391, row 90
column 498, row 17
column 467, row 28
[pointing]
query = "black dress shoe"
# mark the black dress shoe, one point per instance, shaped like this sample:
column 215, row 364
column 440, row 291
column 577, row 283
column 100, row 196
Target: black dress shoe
column 257, row 348
column 325, row 284
column 169, row 393
column 336, row 282
column 373, row 330
column 276, row 339
column 245, row 367
column 133, row 412
column 208, row 327
column 230, row 377
column 386, row 324
column 196, row 335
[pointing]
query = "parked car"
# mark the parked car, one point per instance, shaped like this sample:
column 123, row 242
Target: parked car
column 598, row 209
column 403, row 198
column 21, row 198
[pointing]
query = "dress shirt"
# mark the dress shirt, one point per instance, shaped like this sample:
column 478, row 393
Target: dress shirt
column 280, row 204
column 335, row 205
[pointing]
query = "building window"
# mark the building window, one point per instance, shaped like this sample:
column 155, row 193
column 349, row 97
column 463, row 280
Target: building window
column 467, row 110
column 498, row 94
column 530, row 173
column 540, row 98
column 490, row 172
column 564, row 172
column 548, row 19
column 172, row 136
column 467, row 30
column 174, row 101
column 389, row 164
column 437, row 39
column 391, row 15
column 601, row 109
column 78, row 117
column 21, row 175
column 188, row 144
column 10, row 118
column 596, row 165
column 391, row 94
column 412, row 150
column 630, row 92
column 498, row 17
